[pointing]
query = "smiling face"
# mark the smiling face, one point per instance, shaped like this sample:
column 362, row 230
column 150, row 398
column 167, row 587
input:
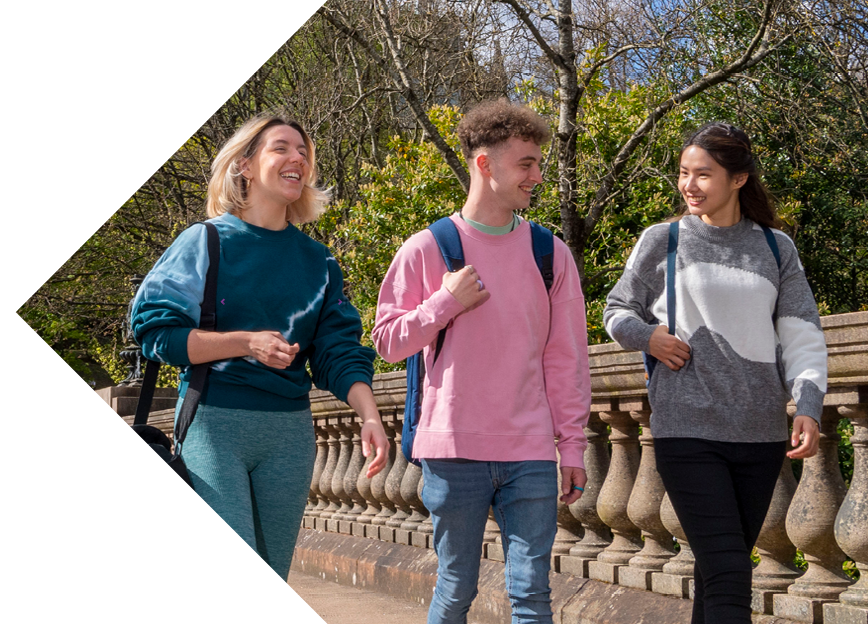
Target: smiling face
column 278, row 170
column 514, row 170
column 708, row 189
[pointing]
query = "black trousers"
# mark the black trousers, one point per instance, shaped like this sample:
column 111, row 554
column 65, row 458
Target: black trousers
column 721, row 492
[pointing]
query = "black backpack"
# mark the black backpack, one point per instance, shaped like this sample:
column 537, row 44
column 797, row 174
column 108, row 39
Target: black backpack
column 155, row 438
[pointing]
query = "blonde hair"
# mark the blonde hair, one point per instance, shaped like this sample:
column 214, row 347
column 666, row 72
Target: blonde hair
column 227, row 188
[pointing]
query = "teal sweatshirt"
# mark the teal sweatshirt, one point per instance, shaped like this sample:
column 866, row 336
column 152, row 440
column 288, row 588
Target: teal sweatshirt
column 280, row 281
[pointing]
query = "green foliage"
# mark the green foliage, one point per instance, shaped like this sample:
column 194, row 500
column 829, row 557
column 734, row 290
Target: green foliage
column 414, row 188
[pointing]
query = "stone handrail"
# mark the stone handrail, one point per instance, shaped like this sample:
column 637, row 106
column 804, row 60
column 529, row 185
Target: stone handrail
column 623, row 530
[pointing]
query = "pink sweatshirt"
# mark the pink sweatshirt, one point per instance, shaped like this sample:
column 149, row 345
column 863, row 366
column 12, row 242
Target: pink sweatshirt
column 500, row 390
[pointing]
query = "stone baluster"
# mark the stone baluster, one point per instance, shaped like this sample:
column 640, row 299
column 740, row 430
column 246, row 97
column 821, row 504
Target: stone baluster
column 351, row 484
column 851, row 525
column 410, row 493
column 382, row 503
column 643, row 510
column 776, row 571
column 344, row 458
column 393, row 491
column 317, row 502
column 424, row 535
column 490, row 537
column 569, row 529
column 810, row 526
column 328, row 473
column 597, row 535
column 615, row 496
column 676, row 577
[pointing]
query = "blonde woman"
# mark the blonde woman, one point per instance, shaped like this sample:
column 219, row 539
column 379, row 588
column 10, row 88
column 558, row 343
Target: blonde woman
column 281, row 305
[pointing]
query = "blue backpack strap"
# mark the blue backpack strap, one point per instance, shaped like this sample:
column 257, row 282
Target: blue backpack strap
column 773, row 245
column 449, row 242
column 671, row 251
column 543, row 252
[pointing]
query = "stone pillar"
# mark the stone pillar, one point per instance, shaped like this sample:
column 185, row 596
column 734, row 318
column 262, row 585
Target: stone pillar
column 643, row 510
column 317, row 501
column 851, row 526
column 776, row 571
column 491, row 549
column 393, row 491
column 676, row 577
column 378, row 486
column 410, row 493
column 615, row 496
column 346, row 454
column 569, row 529
column 810, row 525
column 597, row 535
column 424, row 535
column 328, row 473
column 351, row 479
column 371, row 505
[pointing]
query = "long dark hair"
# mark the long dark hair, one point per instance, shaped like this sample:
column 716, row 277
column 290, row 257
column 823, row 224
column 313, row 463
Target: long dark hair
column 730, row 147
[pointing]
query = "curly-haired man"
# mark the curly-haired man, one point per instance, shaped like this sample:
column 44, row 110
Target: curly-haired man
column 511, row 377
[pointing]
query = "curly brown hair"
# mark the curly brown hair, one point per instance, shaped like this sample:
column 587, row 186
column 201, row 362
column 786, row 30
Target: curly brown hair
column 496, row 121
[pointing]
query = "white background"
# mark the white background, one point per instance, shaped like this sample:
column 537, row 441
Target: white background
column 95, row 97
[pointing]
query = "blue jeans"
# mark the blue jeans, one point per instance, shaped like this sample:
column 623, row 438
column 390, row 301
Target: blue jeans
column 459, row 493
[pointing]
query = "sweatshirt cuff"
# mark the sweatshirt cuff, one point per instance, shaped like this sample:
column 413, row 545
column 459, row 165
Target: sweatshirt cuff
column 342, row 390
column 167, row 344
column 443, row 306
column 631, row 333
column 572, row 455
column 808, row 398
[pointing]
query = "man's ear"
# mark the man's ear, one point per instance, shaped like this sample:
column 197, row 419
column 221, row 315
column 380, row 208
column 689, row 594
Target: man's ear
column 483, row 163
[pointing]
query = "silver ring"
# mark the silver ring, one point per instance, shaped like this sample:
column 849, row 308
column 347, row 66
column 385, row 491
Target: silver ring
column 481, row 285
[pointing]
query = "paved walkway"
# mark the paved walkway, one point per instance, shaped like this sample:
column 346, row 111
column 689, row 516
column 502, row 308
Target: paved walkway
column 341, row 604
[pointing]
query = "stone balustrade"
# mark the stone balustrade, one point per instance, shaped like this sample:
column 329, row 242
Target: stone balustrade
column 623, row 530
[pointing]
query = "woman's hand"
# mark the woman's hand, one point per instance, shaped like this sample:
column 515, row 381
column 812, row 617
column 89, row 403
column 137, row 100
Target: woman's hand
column 271, row 348
column 668, row 349
column 268, row 347
column 374, row 435
column 361, row 399
column 806, row 430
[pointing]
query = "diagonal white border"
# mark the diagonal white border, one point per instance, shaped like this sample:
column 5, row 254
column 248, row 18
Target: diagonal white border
column 97, row 95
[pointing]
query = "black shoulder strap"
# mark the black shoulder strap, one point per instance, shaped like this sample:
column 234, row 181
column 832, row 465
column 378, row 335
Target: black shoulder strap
column 208, row 321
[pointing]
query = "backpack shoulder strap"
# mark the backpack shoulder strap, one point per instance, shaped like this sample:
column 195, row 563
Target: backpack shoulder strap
column 776, row 252
column 773, row 244
column 449, row 242
column 208, row 322
column 543, row 243
column 671, row 251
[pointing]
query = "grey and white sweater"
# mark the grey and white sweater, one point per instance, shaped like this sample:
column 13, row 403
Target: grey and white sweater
column 743, row 366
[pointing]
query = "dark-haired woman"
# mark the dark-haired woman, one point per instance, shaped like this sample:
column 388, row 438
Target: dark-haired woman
column 250, row 449
column 747, row 338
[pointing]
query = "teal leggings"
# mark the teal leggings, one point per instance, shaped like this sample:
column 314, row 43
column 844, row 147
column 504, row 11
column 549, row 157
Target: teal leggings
column 254, row 469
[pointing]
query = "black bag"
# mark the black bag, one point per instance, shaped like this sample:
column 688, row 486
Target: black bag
column 155, row 438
